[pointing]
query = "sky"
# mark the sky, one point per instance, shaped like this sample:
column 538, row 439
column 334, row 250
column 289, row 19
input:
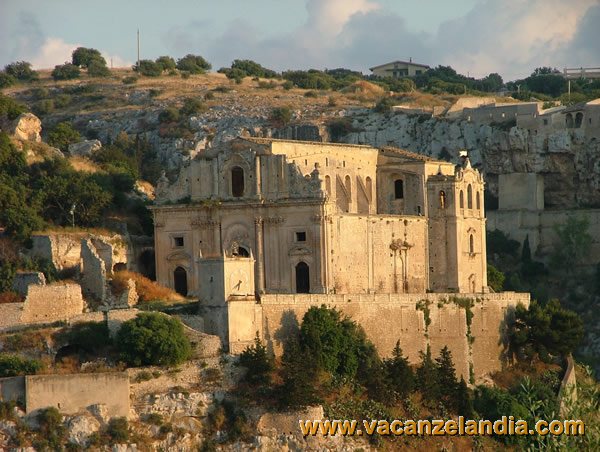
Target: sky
column 476, row 37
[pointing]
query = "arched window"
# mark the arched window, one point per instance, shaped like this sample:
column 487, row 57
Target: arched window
column 369, row 184
column 237, row 182
column 399, row 189
column 461, row 200
column 442, row 199
column 471, row 244
column 328, row 185
column 578, row 120
column 477, row 201
column 569, row 120
column 469, row 197
column 302, row 278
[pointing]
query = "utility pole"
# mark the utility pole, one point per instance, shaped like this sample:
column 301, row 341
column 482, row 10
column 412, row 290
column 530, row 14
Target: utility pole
column 138, row 48
column 569, row 83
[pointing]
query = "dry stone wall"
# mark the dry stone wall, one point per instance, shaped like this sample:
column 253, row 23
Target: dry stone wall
column 24, row 279
column 93, row 271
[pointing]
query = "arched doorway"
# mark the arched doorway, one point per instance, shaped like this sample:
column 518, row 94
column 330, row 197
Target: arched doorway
column 302, row 278
column 180, row 281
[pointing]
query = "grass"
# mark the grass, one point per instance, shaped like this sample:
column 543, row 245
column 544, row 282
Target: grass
column 147, row 290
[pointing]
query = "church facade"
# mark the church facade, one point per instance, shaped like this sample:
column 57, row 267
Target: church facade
column 263, row 216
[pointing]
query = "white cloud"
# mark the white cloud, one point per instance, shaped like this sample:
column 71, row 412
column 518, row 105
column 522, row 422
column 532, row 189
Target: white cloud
column 52, row 52
column 116, row 60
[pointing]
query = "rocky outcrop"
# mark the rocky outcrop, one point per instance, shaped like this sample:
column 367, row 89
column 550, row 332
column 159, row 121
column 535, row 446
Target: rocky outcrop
column 27, row 127
column 569, row 162
column 85, row 148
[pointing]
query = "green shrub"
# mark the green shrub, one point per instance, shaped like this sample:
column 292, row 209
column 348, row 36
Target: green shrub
column 193, row 64
column 10, row 108
column 153, row 339
column 154, row 419
column 12, row 365
column 170, row 114
column 21, row 70
column 65, row 71
column 98, row 69
column 281, row 115
column 91, row 337
column 43, row 107
column 130, row 80
column 495, row 278
column 62, row 135
column 6, row 80
column 287, row 85
column 148, row 68
column 118, row 430
column 52, row 430
column 257, row 362
column 85, row 57
column 166, row 63
column 192, row 106
column 312, row 94
column 384, row 105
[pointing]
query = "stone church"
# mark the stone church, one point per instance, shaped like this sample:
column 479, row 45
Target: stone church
column 263, row 216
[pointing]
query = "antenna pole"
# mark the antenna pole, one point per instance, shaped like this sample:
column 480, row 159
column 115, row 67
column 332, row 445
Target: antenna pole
column 138, row 47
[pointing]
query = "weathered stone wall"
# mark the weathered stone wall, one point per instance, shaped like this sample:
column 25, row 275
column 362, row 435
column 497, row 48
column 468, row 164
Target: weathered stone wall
column 539, row 226
column 416, row 320
column 10, row 315
column 93, row 271
column 74, row 393
column 52, row 303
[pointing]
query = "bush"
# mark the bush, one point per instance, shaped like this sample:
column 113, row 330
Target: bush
column 148, row 68
column 153, row 339
column 193, row 64
column 281, row 115
column 312, row 94
column 52, row 430
column 62, row 135
column 287, row 85
column 98, row 69
column 6, row 80
column 43, row 107
column 170, row 114
column 130, row 80
column 91, row 337
column 384, row 105
column 118, row 430
column 21, row 70
column 166, row 63
column 12, row 365
column 10, row 108
column 258, row 364
column 65, row 71
column 192, row 106
column 495, row 278
column 252, row 69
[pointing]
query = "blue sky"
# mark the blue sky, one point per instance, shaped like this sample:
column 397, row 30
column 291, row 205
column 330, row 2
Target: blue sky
column 476, row 36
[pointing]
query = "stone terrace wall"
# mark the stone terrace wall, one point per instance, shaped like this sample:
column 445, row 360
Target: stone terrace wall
column 12, row 389
column 52, row 303
column 74, row 393
column 389, row 318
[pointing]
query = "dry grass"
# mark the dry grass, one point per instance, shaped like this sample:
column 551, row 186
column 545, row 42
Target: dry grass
column 366, row 89
column 147, row 290
column 84, row 165
column 507, row 378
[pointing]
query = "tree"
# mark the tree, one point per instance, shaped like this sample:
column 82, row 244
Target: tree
column 252, row 69
column 62, row 135
column 257, row 362
column 526, row 252
column 399, row 372
column 495, row 278
column 299, row 374
column 166, row 63
column 464, row 400
column 545, row 331
column 446, row 377
column 194, row 64
column 97, row 69
column 65, row 71
column 427, row 377
column 83, row 57
column 573, row 243
column 153, row 339
column 21, row 70
column 148, row 68
column 281, row 115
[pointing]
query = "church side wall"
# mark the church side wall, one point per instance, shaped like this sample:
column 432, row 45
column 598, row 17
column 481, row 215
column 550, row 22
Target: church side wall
column 416, row 320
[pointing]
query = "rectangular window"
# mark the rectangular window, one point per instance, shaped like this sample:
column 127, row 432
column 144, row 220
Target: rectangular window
column 300, row 236
column 178, row 241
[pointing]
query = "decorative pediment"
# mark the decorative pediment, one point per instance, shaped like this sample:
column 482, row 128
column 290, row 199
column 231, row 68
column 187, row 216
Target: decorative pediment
column 299, row 251
column 178, row 256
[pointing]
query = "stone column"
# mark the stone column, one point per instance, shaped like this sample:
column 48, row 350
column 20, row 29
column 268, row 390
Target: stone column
column 215, row 175
column 260, row 268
